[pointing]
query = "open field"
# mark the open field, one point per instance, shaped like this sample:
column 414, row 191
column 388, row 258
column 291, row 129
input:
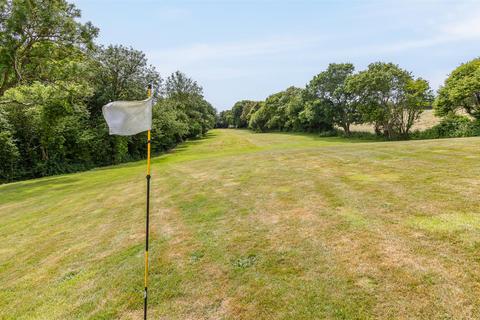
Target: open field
column 426, row 121
column 252, row 226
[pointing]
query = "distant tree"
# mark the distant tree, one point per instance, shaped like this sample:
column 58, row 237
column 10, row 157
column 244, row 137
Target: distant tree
column 461, row 91
column 240, row 112
column 291, row 109
column 284, row 108
column 237, row 110
column 169, row 125
column 275, row 110
column 328, row 89
column 121, row 73
column 418, row 96
column 224, row 119
column 258, row 120
column 9, row 153
column 315, row 117
column 294, row 105
column 249, row 107
column 186, row 96
column 33, row 33
column 179, row 86
column 389, row 97
column 278, row 112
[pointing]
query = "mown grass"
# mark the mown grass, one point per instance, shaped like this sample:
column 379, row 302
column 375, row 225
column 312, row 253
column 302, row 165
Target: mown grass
column 252, row 226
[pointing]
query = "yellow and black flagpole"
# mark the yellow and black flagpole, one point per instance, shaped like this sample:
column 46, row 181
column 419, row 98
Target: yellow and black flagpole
column 149, row 92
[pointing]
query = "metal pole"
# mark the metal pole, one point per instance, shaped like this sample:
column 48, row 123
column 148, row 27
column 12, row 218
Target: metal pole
column 148, row 217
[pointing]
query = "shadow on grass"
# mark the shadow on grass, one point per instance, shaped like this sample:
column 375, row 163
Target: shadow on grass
column 40, row 182
column 15, row 190
column 355, row 137
column 184, row 146
column 192, row 142
column 179, row 149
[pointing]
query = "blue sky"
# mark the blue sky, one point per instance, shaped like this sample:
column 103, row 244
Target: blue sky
column 251, row 49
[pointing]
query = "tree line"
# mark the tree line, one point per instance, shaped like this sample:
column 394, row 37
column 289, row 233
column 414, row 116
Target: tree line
column 54, row 81
column 384, row 95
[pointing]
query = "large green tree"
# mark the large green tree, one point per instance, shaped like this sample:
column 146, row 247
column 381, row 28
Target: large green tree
column 249, row 108
column 117, row 73
column 36, row 36
column 294, row 106
column 179, row 86
column 461, row 91
column 280, row 111
column 389, row 97
column 328, row 88
column 122, row 73
column 237, row 112
column 224, row 119
column 186, row 96
column 258, row 120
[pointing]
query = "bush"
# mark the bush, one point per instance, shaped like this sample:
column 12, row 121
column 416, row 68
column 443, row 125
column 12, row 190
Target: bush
column 9, row 153
column 452, row 126
column 330, row 133
column 361, row 135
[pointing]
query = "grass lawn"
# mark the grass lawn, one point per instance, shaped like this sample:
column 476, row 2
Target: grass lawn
column 252, row 226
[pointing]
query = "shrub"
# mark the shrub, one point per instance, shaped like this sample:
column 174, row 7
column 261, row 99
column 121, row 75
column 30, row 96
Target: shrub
column 451, row 126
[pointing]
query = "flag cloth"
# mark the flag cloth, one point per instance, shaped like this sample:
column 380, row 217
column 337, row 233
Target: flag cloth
column 126, row 118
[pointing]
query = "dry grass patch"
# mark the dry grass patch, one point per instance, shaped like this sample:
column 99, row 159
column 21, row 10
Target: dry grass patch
column 252, row 226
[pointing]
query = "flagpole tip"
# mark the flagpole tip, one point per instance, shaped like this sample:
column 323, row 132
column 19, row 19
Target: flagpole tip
column 149, row 90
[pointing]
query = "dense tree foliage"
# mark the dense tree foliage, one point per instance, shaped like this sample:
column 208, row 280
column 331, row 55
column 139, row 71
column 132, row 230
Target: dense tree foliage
column 224, row 119
column 384, row 95
column 9, row 153
column 277, row 109
column 37, row 37
column 54, row 81
column 328, row 89
column 237, row 111
column 389, row 97
column 461, row 91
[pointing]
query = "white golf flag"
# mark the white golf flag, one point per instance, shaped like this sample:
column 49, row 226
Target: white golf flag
column 126, row 118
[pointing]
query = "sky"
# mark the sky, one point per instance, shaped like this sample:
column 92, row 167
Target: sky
column 250, row 49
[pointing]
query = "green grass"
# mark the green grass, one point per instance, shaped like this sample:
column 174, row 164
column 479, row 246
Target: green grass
column 252, row 226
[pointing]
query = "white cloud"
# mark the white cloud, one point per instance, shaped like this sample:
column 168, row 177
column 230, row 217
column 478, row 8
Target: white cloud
column 224, row 65
column 460, row 28
column 213, row 51
column 464, row 27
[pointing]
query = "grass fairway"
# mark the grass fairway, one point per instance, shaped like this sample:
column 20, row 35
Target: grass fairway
column 252, row 226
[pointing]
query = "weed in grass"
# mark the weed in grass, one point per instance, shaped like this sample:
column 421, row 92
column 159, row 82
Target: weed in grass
column 196, row 256
column 245, row 262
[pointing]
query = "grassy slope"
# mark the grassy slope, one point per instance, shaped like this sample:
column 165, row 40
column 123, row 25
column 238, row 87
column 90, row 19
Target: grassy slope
column 252, row 226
